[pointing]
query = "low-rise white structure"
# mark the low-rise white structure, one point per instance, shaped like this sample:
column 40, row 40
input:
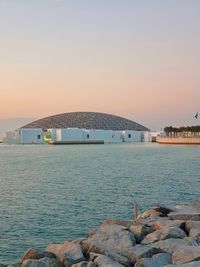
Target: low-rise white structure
column 25, row 136
column 151, row 136
column 132, row 136
column 77, row 135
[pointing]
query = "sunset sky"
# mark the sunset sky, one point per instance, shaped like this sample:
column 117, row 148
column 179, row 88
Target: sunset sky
column 137, row 59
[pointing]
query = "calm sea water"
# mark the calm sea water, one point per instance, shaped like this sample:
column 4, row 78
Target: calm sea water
column 54, row 193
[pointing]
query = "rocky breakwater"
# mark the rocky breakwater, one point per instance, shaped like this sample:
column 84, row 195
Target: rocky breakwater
column 159, row 237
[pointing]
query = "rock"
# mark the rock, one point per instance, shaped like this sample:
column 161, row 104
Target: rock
column 46, row 254
column 2, row 265
column 192, row 241
column 31, row 253
column 186, row 254
column 103, row 261
column 111, row 240
column 80, row 264
column 191, row 264
column 164, row 233
column 163, row 210
column 163, row 223
column 113, row 255
column 91, row 264
column 158, row 260
column 126, row 224
column 78, row 240
column 169, row 245
column 141, row 251
column 194, row 232
column 44, row 262
column 140, row 231
column 93, row 256
column 152, row 213
column 193, row 227
column 19, row 264
column 84, row 264
column 183, row 212
column 192, row 224
column 68, row 253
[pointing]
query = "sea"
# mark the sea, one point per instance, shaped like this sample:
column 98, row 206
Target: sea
column 50, row 194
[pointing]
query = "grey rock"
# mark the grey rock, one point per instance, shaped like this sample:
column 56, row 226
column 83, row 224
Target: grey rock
column 113, row 255
column 111, row 240
column 141, row 251
column 91, row 264
column 93, row 256
column 164, row 233
column 46, row 254
column 2, row 265
column 68, row 253
column 191, row 264
column 186, row 254
column 158, row 260
column 193, row 227
column 140, row 231
column 169, row 245
column 183, row 212
column 162, row 223
column 103, row 261
column 84, row 264
column 44, row 262
column 192, row 224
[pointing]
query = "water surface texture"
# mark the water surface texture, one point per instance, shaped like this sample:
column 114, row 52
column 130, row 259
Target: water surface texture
column 54, row 193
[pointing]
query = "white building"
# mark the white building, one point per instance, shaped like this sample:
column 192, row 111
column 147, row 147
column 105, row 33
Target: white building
column 130, row 136
column 77, row 135
column 25, row 136
column 151, row 136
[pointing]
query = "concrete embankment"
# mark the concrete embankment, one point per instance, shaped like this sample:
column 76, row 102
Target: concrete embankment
column 159, row 237
column 178, row 140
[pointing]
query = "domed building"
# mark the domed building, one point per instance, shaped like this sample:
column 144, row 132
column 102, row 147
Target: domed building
column 79, row 128
column 86, row 120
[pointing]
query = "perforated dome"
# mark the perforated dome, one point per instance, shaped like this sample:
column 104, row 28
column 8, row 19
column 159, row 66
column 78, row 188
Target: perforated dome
column 86, row 120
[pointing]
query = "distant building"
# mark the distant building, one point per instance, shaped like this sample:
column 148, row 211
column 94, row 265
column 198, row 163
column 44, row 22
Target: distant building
column 77, row 127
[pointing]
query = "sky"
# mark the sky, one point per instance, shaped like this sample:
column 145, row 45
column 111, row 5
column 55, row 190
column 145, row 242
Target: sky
column 136, row 59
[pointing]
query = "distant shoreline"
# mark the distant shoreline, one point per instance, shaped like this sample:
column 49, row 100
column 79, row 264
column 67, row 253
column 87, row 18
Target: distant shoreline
column 178, row 140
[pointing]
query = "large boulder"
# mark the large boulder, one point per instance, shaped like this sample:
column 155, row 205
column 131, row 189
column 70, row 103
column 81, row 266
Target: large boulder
column 185, row 212
column 158, row 260
column 68, row 253
column 162, row 223
column 169, row 245
column 31, row 253
column 104, row 261
column 193, row 227
column 164, row 233
column 111, row 240
column 141, row 251
column 44, row 262
column 140, row 231
column 46, row 254
column 186, row 254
